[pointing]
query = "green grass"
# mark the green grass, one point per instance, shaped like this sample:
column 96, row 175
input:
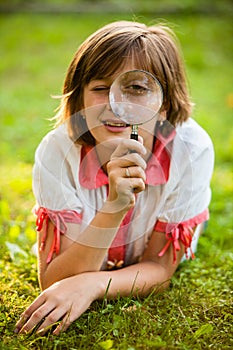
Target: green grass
column 196, row 311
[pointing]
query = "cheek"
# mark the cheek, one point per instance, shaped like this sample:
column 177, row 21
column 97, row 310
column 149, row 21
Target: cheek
column 147, row 132
column 95, row 99
column 148, row 128
column 93, row 115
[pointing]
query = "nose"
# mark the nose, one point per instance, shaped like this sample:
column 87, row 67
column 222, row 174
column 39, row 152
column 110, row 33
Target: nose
column 108, row 106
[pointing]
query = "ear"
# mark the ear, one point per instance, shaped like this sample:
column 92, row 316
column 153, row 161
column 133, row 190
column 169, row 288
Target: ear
column 162, row 116
column 82, row 114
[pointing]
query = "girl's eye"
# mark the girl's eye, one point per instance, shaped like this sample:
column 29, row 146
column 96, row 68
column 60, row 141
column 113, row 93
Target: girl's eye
column 100, row 88
column 135, row 89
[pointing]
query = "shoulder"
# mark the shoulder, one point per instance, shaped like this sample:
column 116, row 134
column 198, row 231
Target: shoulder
column 57, row 143
column 54, row 176
column 191, row 136
column 57, row 137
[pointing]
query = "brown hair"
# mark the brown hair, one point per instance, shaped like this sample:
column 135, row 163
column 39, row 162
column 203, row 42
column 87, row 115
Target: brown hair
column 151, row 48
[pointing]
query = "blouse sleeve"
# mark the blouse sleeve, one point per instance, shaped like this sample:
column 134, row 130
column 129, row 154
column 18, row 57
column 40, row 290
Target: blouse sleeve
column 187, row 204
column 55, row 172
column 54, row 186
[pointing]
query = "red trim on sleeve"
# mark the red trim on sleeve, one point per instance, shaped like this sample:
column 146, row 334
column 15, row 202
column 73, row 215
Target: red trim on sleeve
column 59, row 219
column 180, row 232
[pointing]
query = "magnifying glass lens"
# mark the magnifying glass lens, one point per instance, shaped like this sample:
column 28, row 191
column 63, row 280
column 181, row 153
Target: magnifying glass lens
column 136, row 97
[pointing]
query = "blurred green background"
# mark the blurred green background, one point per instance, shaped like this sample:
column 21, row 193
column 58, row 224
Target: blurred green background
column 38, row 40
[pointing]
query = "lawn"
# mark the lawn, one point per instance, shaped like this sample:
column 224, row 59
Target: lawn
column 196, row 311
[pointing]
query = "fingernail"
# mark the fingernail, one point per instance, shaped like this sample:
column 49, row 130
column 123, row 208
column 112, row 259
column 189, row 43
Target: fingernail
column 41, row 331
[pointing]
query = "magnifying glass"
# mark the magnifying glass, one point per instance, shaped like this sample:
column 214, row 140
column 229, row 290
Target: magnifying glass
column 135, row 97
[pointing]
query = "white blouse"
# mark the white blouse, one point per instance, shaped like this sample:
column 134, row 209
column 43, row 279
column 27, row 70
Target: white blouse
column 70, row 187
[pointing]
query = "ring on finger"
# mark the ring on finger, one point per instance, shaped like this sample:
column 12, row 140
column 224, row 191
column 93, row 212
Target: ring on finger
column 127, row 172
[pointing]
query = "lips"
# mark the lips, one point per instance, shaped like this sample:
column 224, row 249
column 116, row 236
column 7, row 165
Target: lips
column 115, row 126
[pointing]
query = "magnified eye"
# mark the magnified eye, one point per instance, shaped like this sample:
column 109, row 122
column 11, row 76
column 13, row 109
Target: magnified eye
column 135, row 97
column 135, row 89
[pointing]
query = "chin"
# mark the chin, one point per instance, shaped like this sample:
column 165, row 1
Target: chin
column 112, row 142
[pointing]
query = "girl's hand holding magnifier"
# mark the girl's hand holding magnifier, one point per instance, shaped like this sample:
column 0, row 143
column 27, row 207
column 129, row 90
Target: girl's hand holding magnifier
column 135, row 97
column 126, row 172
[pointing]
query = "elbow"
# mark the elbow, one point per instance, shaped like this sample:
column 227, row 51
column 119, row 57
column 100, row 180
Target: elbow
column 42, row 274
column 161, row 277
column 162, row 286
column 43, row 283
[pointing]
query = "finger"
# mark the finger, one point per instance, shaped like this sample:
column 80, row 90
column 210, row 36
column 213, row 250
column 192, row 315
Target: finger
column 126, row 161
column 140, row 139
column 29, row 311
column 137, row 185
column 127, row 146
column 64, row 324
column 131, row 159
column 50, row 320
column 127, row 187
column 73, row 314
column 134, row 171
column 36, row 318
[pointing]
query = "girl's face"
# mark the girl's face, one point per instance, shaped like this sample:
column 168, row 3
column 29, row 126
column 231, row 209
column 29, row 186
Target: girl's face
column 104, row 126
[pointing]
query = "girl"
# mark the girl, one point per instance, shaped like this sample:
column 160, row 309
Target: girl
column 114, row 213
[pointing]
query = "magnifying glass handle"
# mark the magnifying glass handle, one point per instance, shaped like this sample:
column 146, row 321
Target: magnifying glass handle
column 134, row 132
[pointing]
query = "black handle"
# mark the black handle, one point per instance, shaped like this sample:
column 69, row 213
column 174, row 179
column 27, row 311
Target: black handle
column 134, row 136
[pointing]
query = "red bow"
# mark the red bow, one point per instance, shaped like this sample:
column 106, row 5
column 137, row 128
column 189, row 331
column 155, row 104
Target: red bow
column 59, row 219
column 182, row 233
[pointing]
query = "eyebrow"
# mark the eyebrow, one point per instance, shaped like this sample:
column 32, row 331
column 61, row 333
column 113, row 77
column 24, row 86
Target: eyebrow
column 107, row 80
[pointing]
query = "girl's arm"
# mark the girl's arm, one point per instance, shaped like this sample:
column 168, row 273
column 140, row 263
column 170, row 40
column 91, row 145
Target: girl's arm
column 69, row 298
column 76, row 257
column 153, row 272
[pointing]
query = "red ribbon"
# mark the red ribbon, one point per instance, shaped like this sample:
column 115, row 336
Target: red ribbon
column 184, row 234
column 59, row 219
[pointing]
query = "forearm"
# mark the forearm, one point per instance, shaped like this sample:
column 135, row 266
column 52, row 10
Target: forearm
column 72, row 296
column 87, row 253
column 138, row 279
